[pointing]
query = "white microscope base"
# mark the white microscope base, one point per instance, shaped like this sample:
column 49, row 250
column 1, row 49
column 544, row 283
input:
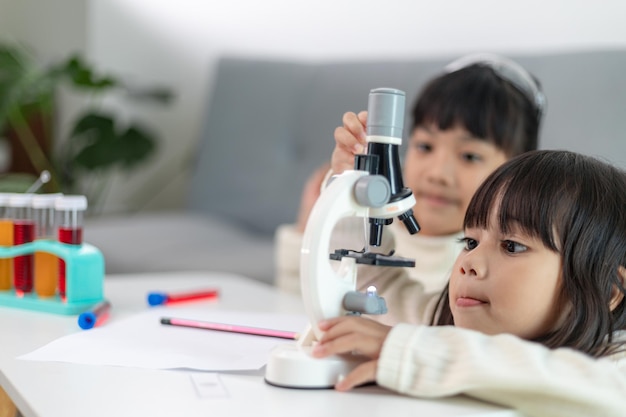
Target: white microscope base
column 292, row 366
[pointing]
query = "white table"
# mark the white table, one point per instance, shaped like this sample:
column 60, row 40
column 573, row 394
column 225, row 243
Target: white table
column 50, row 389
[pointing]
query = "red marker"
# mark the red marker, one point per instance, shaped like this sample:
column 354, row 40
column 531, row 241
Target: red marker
column 256, row 331
column 160, row 298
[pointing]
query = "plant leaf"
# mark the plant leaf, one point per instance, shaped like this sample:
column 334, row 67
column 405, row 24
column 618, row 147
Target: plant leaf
column 158, row 95
column 98, row 124
column 103, row 147
column 99, row 155
column 82, row 75
column 23, row 87
column 95, row 134
column 135, row 146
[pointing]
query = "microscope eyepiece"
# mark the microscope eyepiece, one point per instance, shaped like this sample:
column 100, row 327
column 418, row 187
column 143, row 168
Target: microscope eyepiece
column 385, row 112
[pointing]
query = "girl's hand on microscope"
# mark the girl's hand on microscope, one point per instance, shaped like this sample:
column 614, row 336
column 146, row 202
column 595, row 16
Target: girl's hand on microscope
column 356, row 335
column 349, row 141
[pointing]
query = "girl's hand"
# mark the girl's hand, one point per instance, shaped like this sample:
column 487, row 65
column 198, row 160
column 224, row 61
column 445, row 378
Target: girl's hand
column 353, row 335
column 349, row 141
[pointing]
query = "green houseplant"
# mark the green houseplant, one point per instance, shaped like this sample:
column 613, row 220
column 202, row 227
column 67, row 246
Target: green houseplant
column 96, row 144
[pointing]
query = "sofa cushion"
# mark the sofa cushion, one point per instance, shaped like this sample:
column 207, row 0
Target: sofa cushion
column 155, row 242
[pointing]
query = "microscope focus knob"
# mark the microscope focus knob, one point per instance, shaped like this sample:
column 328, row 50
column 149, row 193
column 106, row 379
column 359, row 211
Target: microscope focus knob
column 372, row 191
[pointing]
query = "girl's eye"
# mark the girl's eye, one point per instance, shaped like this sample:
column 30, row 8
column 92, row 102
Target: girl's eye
column 423, row 147
column 469, row 243
column 513, row 247
column 471, row 157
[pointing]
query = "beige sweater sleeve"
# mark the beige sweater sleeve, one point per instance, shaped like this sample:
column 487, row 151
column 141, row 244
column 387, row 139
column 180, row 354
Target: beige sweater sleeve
column 443, row 361
column 287, row 244
column 406, row 299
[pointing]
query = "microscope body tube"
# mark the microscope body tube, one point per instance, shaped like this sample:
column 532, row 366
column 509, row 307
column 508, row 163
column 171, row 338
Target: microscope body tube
column 389, row 167
column 385, row 126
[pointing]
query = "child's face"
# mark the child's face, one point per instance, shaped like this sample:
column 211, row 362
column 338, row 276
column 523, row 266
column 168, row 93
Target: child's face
column 505, row 283
column 444, row 168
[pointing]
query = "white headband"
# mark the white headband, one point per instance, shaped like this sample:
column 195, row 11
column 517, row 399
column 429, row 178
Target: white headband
column 508, row 70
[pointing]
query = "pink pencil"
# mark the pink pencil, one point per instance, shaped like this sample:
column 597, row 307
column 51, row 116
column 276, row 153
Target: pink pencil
column 256, row 331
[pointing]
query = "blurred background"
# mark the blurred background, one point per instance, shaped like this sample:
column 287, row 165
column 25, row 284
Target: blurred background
column 176, row 45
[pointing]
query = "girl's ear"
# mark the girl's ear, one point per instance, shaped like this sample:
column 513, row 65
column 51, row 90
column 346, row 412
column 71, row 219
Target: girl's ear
column 618, row 294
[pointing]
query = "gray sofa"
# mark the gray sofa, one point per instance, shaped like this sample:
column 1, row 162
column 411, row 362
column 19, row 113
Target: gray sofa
column 270, row 123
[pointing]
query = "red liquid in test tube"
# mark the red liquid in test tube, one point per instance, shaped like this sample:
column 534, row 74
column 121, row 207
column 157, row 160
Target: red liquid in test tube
column 23, row 232
column 73, row 236
column 70, row 210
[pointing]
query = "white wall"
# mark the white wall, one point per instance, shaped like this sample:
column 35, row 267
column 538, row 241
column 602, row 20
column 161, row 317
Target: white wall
column 51, row 28
column 394, row 28
column 4, row 13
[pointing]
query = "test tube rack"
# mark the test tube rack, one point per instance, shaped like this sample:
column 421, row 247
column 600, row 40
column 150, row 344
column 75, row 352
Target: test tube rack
column 84, row 278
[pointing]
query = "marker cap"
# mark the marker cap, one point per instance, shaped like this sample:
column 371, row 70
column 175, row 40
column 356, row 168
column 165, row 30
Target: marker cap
column 87, row 320
column 157, row 298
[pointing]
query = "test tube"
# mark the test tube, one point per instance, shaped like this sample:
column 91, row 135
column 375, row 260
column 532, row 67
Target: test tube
column 6, row 239
column 23, row 232
column 46, row 264
column 70, row 210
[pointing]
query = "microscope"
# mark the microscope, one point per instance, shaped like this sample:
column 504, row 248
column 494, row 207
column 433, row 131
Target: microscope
column 374, row 191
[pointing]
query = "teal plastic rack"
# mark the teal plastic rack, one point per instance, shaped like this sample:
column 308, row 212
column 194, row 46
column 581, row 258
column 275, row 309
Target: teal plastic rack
column 84, row 278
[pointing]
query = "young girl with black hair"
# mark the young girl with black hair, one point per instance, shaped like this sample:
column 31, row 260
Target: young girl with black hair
column 533, row 316
column 481, row 111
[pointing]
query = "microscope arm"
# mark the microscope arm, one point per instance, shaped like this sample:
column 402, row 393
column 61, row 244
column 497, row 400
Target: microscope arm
column 330, row 292
column 323, row 287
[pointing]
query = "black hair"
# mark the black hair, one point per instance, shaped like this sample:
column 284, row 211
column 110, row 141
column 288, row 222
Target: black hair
column 488, row 106
column 576, row 205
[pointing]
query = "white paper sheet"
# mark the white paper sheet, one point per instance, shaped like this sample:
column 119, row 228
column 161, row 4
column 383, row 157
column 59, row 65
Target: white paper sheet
column 141, row 341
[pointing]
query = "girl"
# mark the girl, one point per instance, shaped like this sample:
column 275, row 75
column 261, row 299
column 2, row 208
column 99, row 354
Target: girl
column 483, row 110
column 536, row 299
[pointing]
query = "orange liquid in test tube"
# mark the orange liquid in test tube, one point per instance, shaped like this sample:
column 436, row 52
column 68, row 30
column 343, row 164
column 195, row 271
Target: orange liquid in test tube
column 46, row 274
column 6, row 264
column 46, row 264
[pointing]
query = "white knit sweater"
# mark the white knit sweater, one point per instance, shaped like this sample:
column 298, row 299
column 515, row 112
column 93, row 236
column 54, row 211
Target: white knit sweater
column 441, row 361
